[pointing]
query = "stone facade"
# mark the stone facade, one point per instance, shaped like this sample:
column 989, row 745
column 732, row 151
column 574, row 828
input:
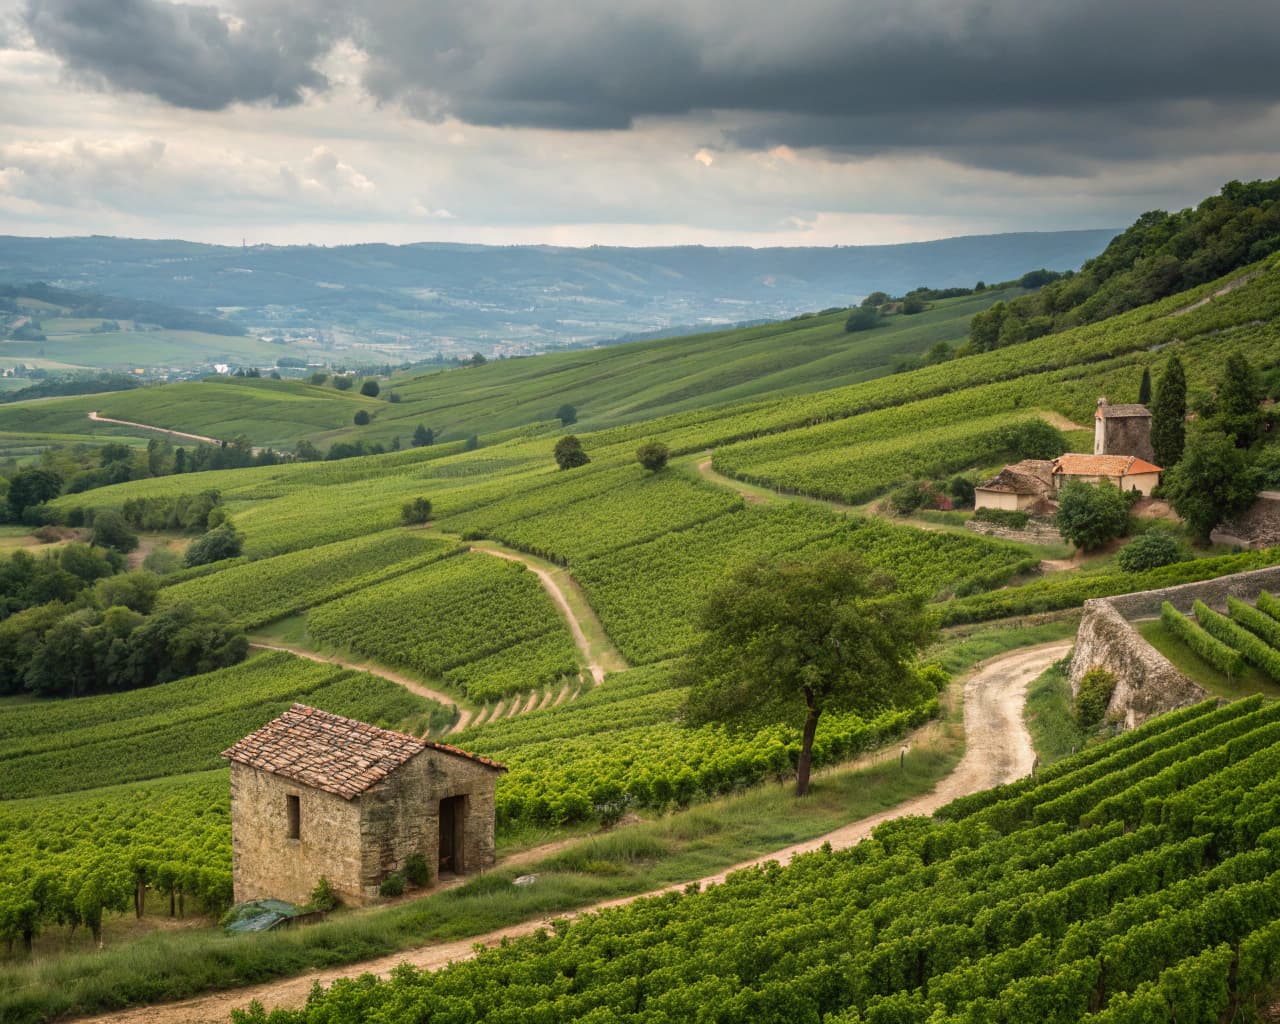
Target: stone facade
column 1146, row 682
column 315, row 794
column 1122, row 430
column 1037, row 531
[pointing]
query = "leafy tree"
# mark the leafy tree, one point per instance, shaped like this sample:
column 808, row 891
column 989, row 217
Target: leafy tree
column 912, row 305
column 370, row 389
column 416, row 511
column 471, row 443
column 423, row 436
column 790, row 640
column 362, row 418
column 344, row 382
column 874, row 300
column 305, row 451
column 1144, row 388
column 1150, row 551
column 394, row 397
column 32, row 486
column 1033, row 439
column 1212, row 482
column 569, row 453
column 1089, row 515
column 864, row 318
column 111, row 531
column 653, row 455
column 567, row 415
column 319, row 378
column 1169, row 415
column 224, row 542
column 1239, row 396
column 478, row 359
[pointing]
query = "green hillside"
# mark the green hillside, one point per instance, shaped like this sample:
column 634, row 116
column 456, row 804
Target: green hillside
column 618, row 384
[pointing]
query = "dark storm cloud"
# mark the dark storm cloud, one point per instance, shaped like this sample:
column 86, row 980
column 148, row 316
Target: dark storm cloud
column 184, row 54
column 1026, row 85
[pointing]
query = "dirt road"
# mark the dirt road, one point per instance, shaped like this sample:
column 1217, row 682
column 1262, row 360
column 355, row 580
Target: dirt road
column 997, row 749
column 162, row 430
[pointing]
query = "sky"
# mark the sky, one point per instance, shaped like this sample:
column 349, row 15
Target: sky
column 625, row 122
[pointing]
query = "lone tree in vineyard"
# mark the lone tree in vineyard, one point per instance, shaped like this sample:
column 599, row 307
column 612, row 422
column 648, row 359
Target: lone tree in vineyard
column 789, row 640
column 569, row 453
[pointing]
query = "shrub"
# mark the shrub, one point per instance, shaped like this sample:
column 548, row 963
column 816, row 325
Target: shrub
column 911, row 496
column 1096, row 687
column 417, row 871
column 569, row 453
column 111, row 531
column 224, row 542
column 392, row 885
column 416, row 511
column 343, row 383
column 322, row 896
column 370, row 389
column 653, row 455
column 362, row 418
column 864, row 318
column 1150, row 551
column 1014, row 519
column 1090, row 515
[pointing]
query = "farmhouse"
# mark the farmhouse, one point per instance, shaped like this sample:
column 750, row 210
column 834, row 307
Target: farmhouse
column 1122, row 430
column 315, row 794
column 1024, row 485
column 1128, row 472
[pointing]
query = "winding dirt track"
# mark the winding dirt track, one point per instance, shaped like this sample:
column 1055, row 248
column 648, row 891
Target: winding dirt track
column 997, row 749
column 160, row 430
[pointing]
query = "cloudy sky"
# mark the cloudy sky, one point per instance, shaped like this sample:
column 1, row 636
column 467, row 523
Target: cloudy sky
column 635, row 122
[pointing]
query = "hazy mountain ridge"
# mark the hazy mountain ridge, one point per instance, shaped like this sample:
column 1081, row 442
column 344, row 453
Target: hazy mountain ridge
column 436, row 296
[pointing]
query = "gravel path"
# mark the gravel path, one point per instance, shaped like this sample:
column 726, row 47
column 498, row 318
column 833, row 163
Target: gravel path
column 997, row 749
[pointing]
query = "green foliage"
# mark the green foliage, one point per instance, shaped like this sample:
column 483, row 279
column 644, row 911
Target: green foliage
column 343, row 382
column 362, row 418
column 32, row 486
column 423, row 436
column 1150, row 551
column 1212, row 482
column 653, row 455
column 567, row 415
column 1144, row 387
column 417, row 871
column 1239, row 393
column 323, row 896
column 569, row 453
column 416, row 511
column 392, row 886
column 1093, row 695
column 111, row 531
column 223, row 542
column 1015, row 519
column 794, row 639
column 370, row 388
column 1224, row 658
column 1172, row 887
column 177, row 512
column 1255, row 650
column 864, row 318
column 1089, row 515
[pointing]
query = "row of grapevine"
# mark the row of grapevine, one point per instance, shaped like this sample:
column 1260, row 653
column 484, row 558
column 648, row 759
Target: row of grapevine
column 1223, row 657
column 949, row 922
column 271, row 588
column 1252, row 648
column 445, row 619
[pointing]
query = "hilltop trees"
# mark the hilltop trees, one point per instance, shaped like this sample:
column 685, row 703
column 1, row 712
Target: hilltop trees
column 789, row 640
column 569, row 453
column 1169, row 414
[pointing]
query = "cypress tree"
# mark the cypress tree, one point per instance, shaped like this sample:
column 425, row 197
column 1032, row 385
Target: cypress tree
column 1238, row 398
column 1144, row 389
column 1168, row 415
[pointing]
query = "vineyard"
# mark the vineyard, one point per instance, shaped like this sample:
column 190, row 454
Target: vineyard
column 483, row 624
column 94, row 849
column 1247, row 636
column 1160, row 903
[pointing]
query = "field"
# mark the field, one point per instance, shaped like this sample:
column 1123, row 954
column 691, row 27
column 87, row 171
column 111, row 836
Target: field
column 324, row 540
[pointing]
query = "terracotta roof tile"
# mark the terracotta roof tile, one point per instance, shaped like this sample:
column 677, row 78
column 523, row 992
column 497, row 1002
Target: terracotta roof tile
column 338, row 755
column 1102, row 465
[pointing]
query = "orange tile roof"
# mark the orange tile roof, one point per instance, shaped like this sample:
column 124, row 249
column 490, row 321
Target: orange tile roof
column 338, row 755
column 1102, row 465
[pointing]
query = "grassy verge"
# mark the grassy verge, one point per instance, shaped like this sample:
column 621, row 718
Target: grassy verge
column 965, row 646
column 632, row 859
column 1187, row 662
column 1049, row 716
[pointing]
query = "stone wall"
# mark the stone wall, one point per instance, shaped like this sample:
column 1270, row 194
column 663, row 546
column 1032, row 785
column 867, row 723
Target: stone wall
column 400, row 816
column 266, row 863
column 1126, row 435
column 1146, row 682
column 1214, row 593
column 1035, row 532
column 1257, row 527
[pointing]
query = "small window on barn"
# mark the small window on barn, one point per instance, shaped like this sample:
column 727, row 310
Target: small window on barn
column 293, row 807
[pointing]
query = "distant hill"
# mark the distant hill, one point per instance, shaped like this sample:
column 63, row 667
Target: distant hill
column 88, row 305
column 519, row 299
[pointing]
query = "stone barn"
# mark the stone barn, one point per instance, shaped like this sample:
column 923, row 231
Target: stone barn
column 1122, row 430
column 315, row 794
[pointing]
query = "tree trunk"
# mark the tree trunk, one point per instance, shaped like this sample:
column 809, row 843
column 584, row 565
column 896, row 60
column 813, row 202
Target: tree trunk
column 139, row 898
column 806, row 747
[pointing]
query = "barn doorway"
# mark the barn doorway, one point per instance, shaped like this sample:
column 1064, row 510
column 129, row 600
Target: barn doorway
column 453, row 815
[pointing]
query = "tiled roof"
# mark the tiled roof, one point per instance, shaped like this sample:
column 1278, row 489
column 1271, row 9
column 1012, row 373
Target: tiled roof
column 1102, row 465
column 1116, row 411
column 338, row 755
column 1030, row 476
